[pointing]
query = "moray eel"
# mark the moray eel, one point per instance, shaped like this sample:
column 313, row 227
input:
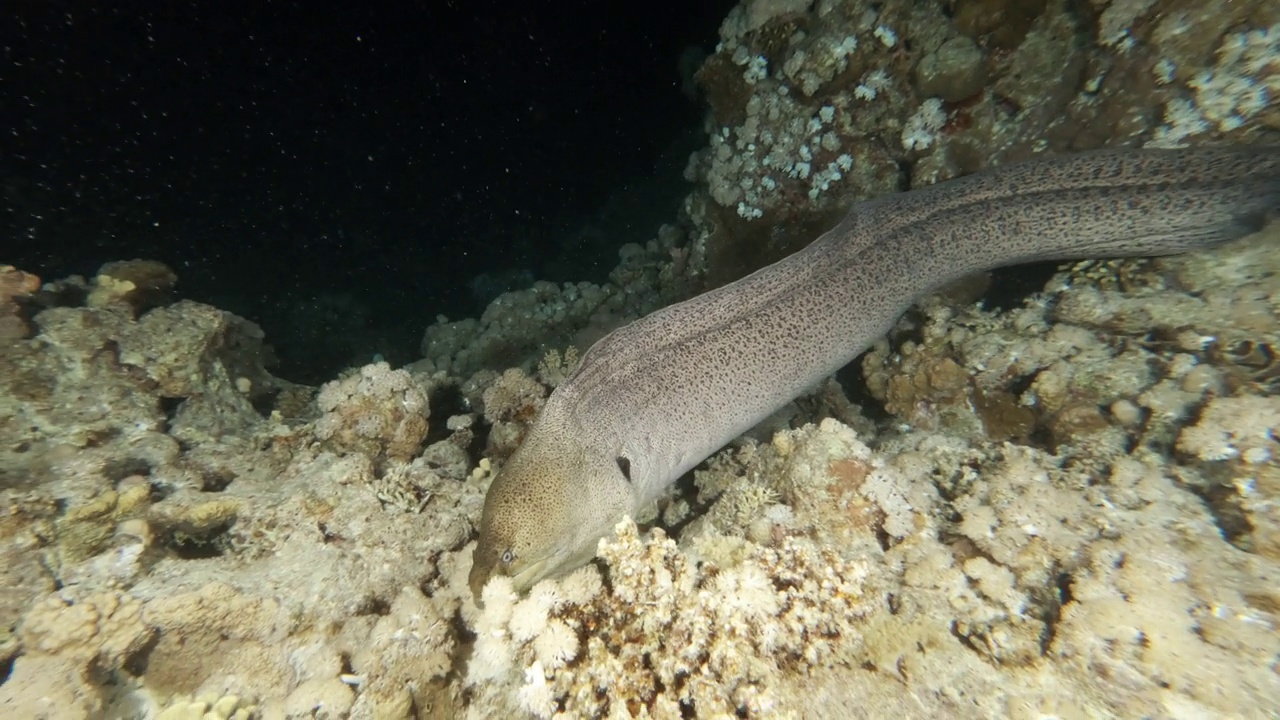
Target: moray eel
column 656, row 397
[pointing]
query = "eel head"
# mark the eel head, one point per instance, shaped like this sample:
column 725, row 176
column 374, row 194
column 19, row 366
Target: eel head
column 546, row 511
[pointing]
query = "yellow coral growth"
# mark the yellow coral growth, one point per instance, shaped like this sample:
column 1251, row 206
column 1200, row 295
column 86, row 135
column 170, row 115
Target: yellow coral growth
column 85, row 529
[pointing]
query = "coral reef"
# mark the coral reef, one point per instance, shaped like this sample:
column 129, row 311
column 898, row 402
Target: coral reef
column 68, row 646
column 1119, row 560
column 511, row 404
column 1068, row 507
column 15, row 285
column 668, row 633
column 377, row 412
column 146, row 462
column 518, row 328
column 814, row 106
column 140, row 284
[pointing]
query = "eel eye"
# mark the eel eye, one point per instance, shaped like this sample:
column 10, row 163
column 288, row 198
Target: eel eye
column 507, row 557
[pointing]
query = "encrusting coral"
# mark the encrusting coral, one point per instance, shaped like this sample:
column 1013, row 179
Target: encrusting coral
column 69, row 646
column 15, row 285
column 376, row 411
column 140, row 284
column 511, row 403
column 211, row 707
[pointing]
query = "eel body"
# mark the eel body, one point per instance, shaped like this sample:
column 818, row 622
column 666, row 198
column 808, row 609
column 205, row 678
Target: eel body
column 656, row 397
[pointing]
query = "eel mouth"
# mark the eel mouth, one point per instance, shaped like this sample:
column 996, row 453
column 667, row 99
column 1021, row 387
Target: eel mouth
column 478, row 578
column 528, row 576
column 522, row 580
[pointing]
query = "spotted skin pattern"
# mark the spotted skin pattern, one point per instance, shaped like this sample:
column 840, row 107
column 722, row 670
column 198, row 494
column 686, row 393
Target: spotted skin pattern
column 653, row 399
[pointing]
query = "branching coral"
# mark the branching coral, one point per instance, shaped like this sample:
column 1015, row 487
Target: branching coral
column 668, row 634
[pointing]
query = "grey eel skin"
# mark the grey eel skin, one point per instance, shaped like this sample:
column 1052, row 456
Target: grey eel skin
column 656, row 397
